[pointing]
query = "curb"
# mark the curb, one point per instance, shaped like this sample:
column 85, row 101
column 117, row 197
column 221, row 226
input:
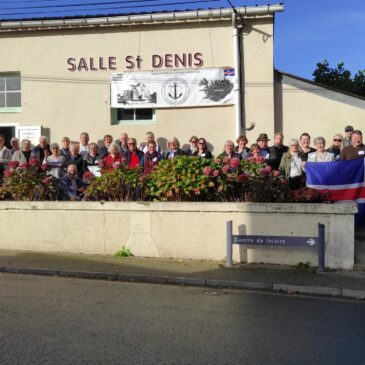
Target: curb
column 188, row 281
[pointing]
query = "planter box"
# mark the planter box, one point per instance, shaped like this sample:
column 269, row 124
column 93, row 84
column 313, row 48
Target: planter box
column 178, row 230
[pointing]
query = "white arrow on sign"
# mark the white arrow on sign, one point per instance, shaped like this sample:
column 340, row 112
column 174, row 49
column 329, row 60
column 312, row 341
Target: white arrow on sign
column 311, row 242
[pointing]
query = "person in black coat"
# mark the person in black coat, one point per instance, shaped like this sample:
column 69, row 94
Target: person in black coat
column 75, row 159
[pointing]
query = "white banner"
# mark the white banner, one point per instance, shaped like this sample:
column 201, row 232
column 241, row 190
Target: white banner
column 171, row 89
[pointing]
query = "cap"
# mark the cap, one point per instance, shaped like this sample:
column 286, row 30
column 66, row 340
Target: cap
column 349, row 128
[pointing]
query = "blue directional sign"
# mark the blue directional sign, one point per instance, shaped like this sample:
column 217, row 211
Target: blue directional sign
column 282, row 241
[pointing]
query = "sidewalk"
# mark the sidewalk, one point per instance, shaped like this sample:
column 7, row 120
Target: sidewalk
column 278, row 278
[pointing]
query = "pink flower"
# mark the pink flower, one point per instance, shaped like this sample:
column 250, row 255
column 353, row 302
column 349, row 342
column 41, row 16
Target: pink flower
column 225, row 168
column 13, row 164
column 207, row 171
column 284, row 182
column 242, row 178
column 226, row 159
column 46, row 180
column 218, row 161
column 268, row 168
column 235, row 162
column 33, row 161
column 116, row 165
column 260, row 159
column 7, row 173
column 216, row 173
column 44, row 167
column 24, row 166
column 264, row 172
column 276, row 173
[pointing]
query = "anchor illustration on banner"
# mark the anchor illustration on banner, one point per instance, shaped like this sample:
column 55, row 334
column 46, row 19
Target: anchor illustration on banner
column 175, row 96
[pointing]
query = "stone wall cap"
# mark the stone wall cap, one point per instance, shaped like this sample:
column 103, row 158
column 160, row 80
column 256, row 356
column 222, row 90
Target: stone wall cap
column 304, row 208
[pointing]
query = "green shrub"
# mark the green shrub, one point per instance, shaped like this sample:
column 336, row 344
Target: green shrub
column 121, row 184
column 28, row 183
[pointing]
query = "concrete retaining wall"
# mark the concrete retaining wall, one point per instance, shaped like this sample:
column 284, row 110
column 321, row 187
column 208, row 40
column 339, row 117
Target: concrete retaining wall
column 178, row 230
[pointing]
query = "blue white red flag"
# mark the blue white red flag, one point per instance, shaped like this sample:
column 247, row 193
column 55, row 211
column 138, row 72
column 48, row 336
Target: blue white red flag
column 229, row 72
column 344, row 179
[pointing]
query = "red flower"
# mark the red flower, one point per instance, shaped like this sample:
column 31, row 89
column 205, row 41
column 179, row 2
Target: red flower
column 251, row 159
column 276, row 173
column 207, row 171
column 116, row 165
column 13, row 164
column 216, row 173
column 260, row 159
column 242, row 178
column 44, row 166
column 24, row 166
column 87, row 175
column 33, row 161
column 284, row 182
column 235, row 162
column 268, row 168
column 264, row 172
column 46, row 180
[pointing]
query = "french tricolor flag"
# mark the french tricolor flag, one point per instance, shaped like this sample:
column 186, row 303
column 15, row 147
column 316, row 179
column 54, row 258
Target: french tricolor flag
column 344, row 179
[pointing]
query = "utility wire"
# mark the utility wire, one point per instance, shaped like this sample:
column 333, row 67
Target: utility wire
column 110, row 8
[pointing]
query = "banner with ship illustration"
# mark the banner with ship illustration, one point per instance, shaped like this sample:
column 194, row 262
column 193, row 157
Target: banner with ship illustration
column 171, row 89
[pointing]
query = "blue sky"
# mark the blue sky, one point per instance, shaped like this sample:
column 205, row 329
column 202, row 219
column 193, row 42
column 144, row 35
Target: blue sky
column 307, row 32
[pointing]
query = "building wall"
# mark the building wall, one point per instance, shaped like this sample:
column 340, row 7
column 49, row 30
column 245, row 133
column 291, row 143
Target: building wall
column 67, row 103
column 320, row 112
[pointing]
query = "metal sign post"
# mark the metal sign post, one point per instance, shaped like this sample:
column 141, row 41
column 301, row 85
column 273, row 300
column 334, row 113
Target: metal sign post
column 281, row 241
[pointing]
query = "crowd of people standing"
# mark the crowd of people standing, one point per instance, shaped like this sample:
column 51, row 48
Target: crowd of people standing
column 70, row 161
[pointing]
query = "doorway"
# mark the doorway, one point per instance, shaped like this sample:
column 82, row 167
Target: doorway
column 9, row 133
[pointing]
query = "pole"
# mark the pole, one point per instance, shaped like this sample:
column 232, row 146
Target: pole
column 321, row 248
column 237, row 80
column 229, row 262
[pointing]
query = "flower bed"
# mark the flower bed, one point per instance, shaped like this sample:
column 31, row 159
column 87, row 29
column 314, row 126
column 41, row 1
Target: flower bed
column 179, row 179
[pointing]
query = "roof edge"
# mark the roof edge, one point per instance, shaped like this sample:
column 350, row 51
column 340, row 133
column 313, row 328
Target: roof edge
column 154, row 18
column 330, row 88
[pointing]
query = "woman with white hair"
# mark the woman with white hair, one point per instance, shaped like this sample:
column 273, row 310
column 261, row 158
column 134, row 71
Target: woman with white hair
column 56, row 162
column 228, row 152
column 174, row 149
column 321, row 155
column 292, row 165
column 114, row 159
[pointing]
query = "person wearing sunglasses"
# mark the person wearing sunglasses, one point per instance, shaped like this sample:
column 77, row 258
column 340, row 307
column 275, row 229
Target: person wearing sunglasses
column 336, row 146
column 133, row 155
column 193, row 146
column 203, row 149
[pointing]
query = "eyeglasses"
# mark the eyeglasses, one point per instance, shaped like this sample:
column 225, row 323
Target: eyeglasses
column 131, row 144
column 201, row 143
column 193, row 141
column 337, row 140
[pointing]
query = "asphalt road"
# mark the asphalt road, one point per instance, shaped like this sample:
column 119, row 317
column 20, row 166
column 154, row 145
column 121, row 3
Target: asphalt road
column 51, row 320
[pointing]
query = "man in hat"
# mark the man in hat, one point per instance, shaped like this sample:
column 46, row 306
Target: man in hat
column 262, row 140
column 348, row 133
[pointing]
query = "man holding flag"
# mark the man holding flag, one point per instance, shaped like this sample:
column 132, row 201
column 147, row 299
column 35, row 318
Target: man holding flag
column 344, row 179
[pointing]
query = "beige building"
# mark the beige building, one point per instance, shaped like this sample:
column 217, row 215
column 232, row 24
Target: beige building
column 55, row 78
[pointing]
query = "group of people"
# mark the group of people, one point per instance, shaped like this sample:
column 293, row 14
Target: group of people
column 70, row 162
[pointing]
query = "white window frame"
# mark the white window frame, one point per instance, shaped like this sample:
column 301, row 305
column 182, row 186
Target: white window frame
column 16, row 109
column 134, row 120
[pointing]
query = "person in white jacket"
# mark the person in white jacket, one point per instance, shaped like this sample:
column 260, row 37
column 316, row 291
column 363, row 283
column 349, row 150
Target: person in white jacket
column 321, row 155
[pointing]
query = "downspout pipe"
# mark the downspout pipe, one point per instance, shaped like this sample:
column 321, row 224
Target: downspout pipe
column 237, row 79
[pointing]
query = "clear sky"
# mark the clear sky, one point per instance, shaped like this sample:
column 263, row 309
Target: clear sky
column 307, row 32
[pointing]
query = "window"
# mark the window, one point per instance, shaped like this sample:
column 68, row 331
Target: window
column 133, row 116
column 10, row 92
